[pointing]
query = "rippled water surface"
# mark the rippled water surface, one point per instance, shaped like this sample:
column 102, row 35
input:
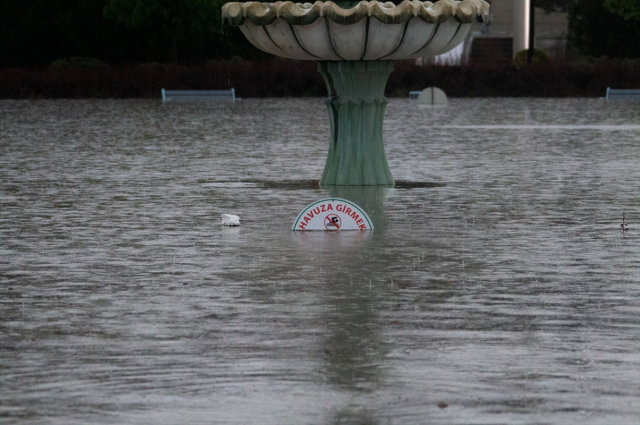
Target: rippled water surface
column 496, row 288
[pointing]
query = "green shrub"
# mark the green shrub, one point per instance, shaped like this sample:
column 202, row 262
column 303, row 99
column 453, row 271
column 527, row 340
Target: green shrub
column 522, row 58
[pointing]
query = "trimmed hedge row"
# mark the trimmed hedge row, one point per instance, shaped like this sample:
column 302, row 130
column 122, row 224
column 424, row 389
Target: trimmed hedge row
column 282, row 78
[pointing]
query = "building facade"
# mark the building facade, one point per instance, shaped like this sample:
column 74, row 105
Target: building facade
column 509, row 19
column 507, row 33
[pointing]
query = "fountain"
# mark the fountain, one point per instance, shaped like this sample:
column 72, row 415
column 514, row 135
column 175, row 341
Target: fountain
column 355, row 44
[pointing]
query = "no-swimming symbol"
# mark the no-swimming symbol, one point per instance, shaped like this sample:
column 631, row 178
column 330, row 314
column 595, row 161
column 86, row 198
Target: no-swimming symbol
column 332, row 222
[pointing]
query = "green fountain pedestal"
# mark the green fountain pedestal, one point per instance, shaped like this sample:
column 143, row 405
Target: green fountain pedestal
column 356, row 107
column 355, row 43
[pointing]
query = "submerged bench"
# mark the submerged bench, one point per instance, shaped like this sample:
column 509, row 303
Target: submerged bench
column 201, row 95
column 620, row 94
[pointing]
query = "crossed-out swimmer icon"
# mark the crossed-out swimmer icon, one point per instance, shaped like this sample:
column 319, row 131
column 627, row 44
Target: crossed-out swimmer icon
column 332, row 222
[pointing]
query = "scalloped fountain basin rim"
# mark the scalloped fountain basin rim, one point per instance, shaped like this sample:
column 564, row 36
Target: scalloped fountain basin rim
column 465, row 11
column 325, row 31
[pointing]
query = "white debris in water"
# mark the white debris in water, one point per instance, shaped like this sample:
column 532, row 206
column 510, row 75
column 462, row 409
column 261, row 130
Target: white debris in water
column 230, row 220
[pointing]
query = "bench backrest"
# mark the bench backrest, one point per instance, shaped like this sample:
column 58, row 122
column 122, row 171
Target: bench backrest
column 616, row 94
column 201, row 95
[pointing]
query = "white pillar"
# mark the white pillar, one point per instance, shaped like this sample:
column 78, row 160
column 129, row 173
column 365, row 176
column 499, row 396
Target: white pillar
column 520, row 25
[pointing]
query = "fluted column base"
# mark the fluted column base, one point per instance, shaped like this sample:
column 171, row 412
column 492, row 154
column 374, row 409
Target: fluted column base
column 356, row 107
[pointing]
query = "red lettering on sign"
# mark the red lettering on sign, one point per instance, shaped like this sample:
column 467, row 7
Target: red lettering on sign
column 363, row 227
column 318, row 210
column 359, row 221
column 329, row 207
column 306, row 220
column 347, row 211
column 323, row 207
column 302, row 225
column 355, row 216
column 339, row 207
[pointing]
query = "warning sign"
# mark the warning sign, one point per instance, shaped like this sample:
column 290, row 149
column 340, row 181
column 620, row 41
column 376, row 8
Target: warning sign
column 333, row 214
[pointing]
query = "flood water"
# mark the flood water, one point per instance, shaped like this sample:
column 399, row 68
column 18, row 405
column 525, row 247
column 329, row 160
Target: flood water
column 496, row 288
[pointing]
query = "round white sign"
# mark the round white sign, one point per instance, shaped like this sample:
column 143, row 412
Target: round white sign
column 332, row 214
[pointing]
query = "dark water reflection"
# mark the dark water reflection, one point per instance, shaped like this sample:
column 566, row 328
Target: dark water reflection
column 497, row 279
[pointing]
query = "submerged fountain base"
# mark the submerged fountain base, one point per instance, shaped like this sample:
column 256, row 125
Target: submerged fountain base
column 356, row 43
column 356, row 107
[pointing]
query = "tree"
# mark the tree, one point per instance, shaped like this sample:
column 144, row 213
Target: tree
column 596, row 31
column 37, row 32
column 628, row 9
column 177, row 20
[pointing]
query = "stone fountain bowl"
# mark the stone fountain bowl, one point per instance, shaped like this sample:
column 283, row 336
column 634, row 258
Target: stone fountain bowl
column 323, row 31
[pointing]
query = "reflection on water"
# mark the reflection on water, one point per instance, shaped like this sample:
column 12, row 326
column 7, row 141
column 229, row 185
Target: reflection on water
column 496, row 280
column 352, row 345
